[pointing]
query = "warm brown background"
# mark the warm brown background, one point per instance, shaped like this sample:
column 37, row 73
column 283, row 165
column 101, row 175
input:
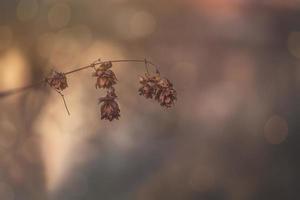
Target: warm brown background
column 233, row 133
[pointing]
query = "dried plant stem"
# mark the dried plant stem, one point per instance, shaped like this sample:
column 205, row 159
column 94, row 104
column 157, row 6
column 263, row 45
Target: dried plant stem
column 64, row 100
column 146, row 66
column 141, row 61
column 97, row 62
column 79, row 69
column 18, row 90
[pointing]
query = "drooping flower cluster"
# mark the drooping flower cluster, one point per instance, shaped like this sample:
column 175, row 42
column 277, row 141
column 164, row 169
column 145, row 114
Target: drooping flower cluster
column 109, row 109
column 57, row 80
column 149, row 86
column 106, row 78
column 152, row 86
column 161, row 89
column 166, row 95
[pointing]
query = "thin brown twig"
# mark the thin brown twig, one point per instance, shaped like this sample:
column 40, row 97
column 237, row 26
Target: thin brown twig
column 97, row 62
column 141, row 61
column 64, row 100
column 146, row 66
column 18, row 90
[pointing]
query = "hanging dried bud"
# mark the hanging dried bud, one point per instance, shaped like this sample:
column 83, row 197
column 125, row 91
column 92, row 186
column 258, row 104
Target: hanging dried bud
column 166, row 95
column 109, row 109
column 57, row 80
column 105, row 65
column 149, row 86
column 111, row 93
column 105, row 78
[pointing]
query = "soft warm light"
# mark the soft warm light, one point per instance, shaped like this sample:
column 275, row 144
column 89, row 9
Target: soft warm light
column 142, row 24
column 6, row 37
column 14, row 71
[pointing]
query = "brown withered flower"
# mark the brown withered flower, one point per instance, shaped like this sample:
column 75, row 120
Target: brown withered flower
column 148, row 86
column 105, row 65
column 57, row 80
column 106, row 78
column 109, row 109
column 166, row 95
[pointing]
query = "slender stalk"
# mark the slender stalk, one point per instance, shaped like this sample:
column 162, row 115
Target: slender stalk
column 141, row 61
column 64, row 100
column 18, row 90
column 79, row 69
column 97, row 62
column 113, row 61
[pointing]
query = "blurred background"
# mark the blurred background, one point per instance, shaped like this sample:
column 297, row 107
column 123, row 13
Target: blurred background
column 233, row 133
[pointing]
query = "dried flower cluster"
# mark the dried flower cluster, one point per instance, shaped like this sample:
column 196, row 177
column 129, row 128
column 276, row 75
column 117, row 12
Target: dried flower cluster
column 109, row 109
column 57, row 80
column 106, row 78
column 152, row 86
column 161, row 89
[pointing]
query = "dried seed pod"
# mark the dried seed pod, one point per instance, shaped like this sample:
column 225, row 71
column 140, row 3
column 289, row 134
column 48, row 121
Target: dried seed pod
column 57, row 80
column 109, row 109
column 111, row 93
column 105, row 78
column 149, row 86
column 166, row 95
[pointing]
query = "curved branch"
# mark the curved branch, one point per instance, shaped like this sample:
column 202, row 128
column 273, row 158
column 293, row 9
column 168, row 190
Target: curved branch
column 97, row 62
column 18, row 90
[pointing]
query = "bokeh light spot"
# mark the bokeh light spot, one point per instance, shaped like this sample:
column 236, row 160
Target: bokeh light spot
column 27, row 9
column 59, row 15
column 14, row 69
column 142, row 24
column 276, row 130
column 134, row 24
column 45, row 44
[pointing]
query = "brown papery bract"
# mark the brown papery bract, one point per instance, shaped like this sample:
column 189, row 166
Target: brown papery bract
column 57, row 80
column 160, row 88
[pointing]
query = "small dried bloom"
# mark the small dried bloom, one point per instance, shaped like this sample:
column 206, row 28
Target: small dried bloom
column 109, row 109
column 106, row 78
column 166, row 95
column 111, row 93
column 105, row 65
column 149, row 86
column 57, row 80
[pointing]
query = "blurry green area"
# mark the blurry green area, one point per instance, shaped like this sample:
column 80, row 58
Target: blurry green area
column 232, row 134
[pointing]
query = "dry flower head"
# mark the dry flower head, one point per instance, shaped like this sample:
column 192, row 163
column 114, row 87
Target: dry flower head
column 160, row 88
column 57, row 80
column 106, row 78
column 109, row 109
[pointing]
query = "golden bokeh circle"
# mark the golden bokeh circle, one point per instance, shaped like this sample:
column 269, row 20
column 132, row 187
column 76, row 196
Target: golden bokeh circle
column 59, row 15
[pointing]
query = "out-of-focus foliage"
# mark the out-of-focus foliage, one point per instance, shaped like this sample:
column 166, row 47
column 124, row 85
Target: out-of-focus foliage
column 233, row 133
